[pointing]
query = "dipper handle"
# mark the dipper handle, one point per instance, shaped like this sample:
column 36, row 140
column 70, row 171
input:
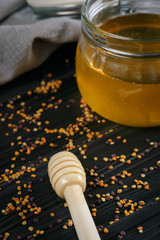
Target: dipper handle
column 83, row 221
column 68, row 179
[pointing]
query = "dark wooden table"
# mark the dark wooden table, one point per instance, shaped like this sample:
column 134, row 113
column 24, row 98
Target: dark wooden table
column 42, row 113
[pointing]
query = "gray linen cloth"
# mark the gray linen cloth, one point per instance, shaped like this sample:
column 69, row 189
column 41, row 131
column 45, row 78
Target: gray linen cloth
column 26, row 41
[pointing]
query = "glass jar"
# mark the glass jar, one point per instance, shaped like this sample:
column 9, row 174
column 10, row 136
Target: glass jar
column 56, row 8
column 118, row 60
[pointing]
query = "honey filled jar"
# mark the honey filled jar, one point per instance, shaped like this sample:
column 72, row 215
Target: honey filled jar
column 118, row 60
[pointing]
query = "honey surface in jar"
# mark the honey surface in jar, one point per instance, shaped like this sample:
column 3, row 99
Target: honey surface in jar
column 124, row 90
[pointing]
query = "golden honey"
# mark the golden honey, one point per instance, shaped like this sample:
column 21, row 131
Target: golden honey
column 124, row 89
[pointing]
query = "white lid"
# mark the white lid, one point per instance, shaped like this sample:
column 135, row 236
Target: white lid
column 53, row 3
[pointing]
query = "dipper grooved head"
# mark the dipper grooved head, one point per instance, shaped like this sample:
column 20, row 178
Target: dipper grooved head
column 65, row 169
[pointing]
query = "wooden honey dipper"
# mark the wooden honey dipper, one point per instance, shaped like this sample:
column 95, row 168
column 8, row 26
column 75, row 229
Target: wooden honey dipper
column 68, row 179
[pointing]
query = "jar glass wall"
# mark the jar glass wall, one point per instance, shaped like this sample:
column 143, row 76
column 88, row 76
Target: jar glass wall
column 118, row 60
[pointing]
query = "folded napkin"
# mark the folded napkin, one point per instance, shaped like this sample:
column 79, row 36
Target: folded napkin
column 26, row 41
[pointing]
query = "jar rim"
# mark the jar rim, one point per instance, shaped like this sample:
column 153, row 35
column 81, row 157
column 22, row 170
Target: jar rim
column 112, row 35
column 117, row 44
